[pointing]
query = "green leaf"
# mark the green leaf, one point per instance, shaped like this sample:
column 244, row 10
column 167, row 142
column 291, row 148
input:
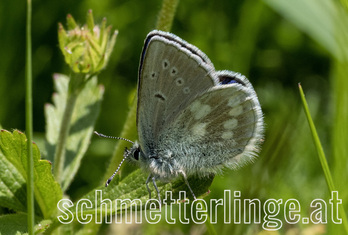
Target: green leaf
column 13, row 224
column 323, row 20
column 18, row 224
column 133, row 187
column 340, row 127
column 83, row 119
column 130, row 187
column 13, row 158
column 42, row 226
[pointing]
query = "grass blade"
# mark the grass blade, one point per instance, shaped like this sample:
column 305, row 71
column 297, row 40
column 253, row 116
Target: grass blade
column 322, row 157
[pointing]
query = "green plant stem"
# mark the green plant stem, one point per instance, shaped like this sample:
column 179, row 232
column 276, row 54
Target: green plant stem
column 166, row 15
column 29, row 125
column 59, row 157
column 322, row 157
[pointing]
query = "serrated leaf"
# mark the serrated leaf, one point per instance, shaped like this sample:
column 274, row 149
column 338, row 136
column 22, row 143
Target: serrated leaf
column 17, row 224
column 83, row 119
column 13, row 174
column 133, row 187
column 13, row 224
column 42, row 226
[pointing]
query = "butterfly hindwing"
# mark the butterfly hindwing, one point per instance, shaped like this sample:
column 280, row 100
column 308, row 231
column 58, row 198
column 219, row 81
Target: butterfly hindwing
column 220, row 128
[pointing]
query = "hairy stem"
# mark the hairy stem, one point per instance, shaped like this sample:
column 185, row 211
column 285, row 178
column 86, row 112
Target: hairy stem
column 166, row 15
column 75, row 85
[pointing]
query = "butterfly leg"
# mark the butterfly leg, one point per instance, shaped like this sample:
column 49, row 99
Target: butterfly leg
column 155, row 185
column 147, row 185
column 187, row 183
column 158, row 192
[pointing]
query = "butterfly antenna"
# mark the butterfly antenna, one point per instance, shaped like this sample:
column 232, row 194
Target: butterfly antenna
column 112, row 137
column 126, row 154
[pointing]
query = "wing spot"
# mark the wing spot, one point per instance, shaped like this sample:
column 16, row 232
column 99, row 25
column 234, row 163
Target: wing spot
column 165, row 64
column 173, row 71
column 179, row 81
column 195, row 106
column 234, row 101
column 203, row 111
column 154, row 75
column 199, row 130
column 236, row 111
column 186, row 90
column 231, row 124
column 160, row 96
column 199, row 110
column 227, row 135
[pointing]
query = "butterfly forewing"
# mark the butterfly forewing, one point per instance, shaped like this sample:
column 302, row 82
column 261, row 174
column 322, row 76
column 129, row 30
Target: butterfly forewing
column 171, row 76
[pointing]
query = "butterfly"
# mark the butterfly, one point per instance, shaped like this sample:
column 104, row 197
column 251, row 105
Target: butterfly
column 191, row 119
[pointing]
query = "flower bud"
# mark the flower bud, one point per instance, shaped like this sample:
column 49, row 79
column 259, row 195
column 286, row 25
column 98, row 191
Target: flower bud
column 86, row 49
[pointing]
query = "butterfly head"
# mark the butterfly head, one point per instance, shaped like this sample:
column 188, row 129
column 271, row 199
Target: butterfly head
column 133, row 154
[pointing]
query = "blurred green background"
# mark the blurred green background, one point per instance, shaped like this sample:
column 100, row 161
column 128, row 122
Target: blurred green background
column 276, row 44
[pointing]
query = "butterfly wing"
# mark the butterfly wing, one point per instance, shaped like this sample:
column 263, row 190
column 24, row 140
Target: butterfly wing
column 220, row 128
column 172, row 73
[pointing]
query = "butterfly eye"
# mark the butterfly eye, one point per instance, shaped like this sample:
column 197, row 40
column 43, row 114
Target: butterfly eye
column 136, row 154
